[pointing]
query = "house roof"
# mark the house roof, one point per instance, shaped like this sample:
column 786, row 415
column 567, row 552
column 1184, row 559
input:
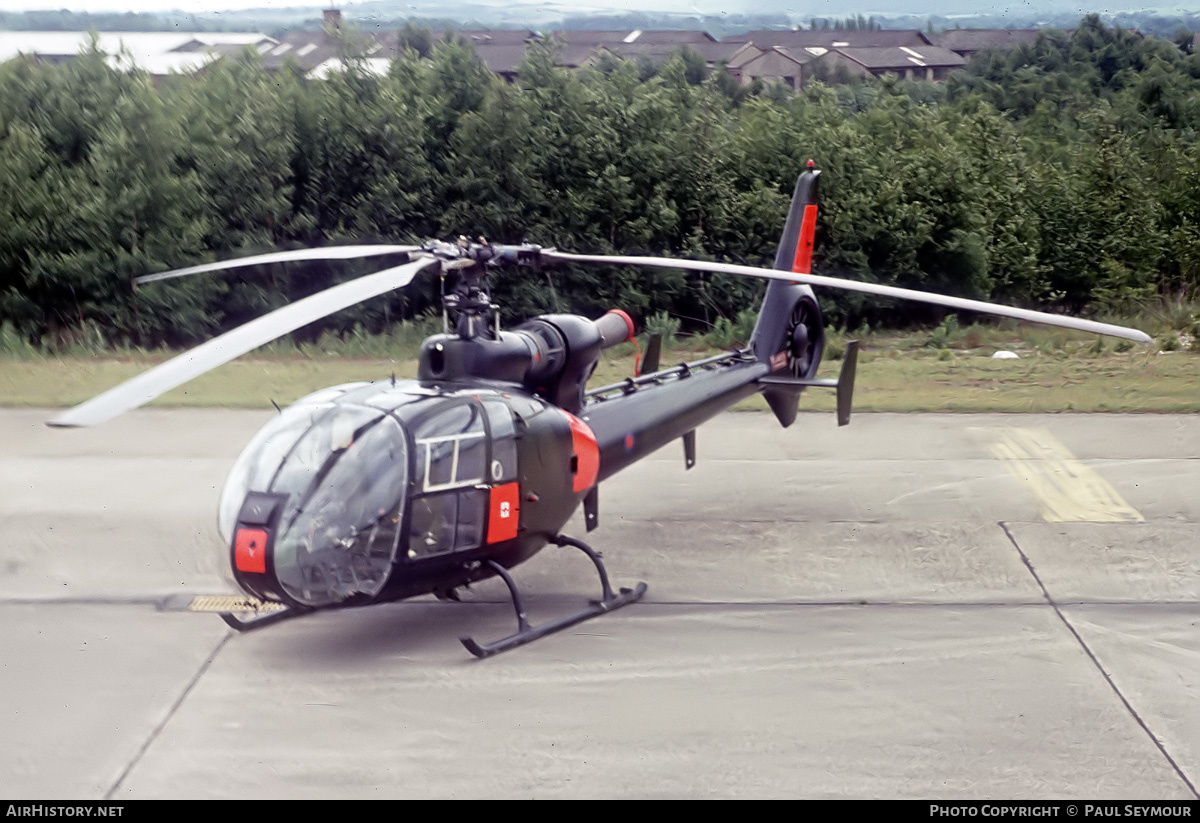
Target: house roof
column 306, row 52
column 972, row 40
column 576, row 54
column 831, row 38
column 640, row 36
column 666, row 36
column 580, row 37
column 501, row 58
column 160, row 65
column 712, row 52
column 375, row 65
column 493, row 37
column 309, row 49
column 776, row 57
column 745, row 53
column 904, row 57
column 144, row 47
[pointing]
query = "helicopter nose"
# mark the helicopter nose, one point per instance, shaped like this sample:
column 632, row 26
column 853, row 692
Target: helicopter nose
column 329, row 524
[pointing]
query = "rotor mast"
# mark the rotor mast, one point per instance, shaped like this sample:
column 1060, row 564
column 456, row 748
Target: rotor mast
column 464, row 285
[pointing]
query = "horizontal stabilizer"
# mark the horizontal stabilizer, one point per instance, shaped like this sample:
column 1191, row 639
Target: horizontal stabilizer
column 782, row 401
column 797, row 383
column 845, row 386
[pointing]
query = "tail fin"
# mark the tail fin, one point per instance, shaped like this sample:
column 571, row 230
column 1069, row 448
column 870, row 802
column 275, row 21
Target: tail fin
column 796, row 244
column 789, row 333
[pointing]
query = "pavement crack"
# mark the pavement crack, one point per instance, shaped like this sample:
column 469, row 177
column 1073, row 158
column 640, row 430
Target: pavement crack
column 162, row 725
column 1099, row 666
column 71, row 600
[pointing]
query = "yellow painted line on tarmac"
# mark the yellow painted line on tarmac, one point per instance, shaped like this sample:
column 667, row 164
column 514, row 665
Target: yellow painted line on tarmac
column 231, row 603
column 1066, row 489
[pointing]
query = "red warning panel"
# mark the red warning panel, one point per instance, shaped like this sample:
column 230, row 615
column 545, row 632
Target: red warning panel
column 587, row 453
column 504, row 510
column 802, row 262
column 250, row 550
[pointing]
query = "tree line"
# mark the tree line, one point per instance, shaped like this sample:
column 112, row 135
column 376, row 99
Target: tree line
column 1063, row 174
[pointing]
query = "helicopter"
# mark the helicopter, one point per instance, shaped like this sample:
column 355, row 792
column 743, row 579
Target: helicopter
column 373, row 492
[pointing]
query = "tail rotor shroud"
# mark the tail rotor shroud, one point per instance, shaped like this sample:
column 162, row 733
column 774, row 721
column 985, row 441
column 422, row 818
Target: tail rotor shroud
column 805, row 340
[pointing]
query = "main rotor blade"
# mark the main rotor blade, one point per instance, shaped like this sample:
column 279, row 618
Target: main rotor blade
column 869, row 288
column 220, row 350
column 323, row 253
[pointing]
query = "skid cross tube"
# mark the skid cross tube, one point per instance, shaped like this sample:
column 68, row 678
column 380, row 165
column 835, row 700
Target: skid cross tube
column 526, row 633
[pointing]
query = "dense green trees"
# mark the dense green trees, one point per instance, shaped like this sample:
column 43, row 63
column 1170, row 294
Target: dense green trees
column 1063, row 173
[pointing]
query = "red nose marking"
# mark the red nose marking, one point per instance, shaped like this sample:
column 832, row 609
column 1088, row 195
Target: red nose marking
column 250, row 551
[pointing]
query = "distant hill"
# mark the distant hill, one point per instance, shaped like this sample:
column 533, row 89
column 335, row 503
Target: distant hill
column 670, row 14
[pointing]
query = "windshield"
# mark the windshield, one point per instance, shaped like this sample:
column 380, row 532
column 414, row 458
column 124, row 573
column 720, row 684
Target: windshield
column 345, row 480
column 260, row 460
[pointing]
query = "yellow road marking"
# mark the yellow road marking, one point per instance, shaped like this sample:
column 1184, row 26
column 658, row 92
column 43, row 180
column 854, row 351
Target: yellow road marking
column 231, row 603
column 1066, row 489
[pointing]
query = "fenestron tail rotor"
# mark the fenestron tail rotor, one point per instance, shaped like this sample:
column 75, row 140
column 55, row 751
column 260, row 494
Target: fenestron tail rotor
column 803, row 338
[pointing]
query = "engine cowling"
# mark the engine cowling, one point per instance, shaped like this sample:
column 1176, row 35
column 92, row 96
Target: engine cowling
column 551, row 356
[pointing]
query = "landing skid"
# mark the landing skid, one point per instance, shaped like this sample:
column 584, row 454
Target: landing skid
column 259, row 620
column 526, row 633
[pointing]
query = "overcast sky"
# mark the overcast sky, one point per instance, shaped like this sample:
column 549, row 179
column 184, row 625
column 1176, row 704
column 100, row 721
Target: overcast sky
column 154, row 5
column 705, row 6
column 712, row 7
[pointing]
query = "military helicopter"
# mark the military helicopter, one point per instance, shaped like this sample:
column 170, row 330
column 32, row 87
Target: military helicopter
column 377, row 491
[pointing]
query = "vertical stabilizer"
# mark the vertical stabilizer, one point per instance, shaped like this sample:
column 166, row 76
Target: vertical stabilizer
column 789, row 334
column 796, row 243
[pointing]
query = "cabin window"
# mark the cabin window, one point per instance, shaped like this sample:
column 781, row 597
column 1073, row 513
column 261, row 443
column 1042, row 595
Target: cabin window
column 452, row 461
column 452, row 449
column 503, row 468
column 446, row 522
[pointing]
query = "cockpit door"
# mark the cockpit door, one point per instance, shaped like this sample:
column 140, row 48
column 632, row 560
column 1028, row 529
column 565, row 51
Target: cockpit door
column 504, row 498
column 465, row 490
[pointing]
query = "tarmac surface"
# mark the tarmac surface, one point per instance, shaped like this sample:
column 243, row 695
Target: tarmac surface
column 916, row 606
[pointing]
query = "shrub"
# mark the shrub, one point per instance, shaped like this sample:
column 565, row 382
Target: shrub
column 941, row 336
column 14, row 344
column 723, row 334
column 664, row 324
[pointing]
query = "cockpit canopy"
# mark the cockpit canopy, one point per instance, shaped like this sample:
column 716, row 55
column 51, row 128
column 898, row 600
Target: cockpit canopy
column 362, row 476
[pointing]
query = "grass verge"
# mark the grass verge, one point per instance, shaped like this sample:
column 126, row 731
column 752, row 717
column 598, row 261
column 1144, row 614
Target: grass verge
column 897, row 373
